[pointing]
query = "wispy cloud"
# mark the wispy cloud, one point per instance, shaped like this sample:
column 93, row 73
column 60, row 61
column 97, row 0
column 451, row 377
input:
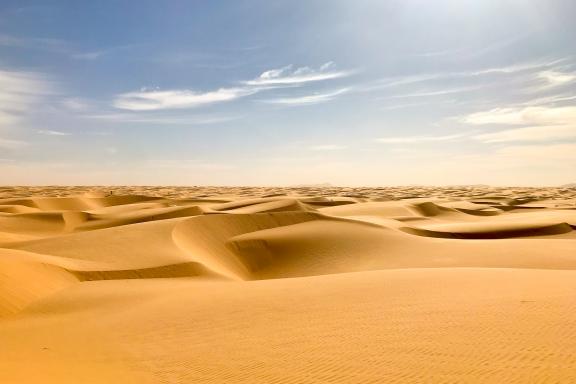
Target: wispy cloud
column 528, row 115
column 439, row 92
column 19, row 91
column 418, row 139
column 556, row 78
column 397, row 81
column 549, row 100
column 52, row 133
column 543, row 133
column 497, row 116
column 289, row 76
column 471, row 52
column 174, row 99
column 388, row 82
column 514, row 68
column 75, row 104
column 153, row 100
column 12, row 144
column 308, row 99
column 161, row 119
column 547, row 124
column 498, row 45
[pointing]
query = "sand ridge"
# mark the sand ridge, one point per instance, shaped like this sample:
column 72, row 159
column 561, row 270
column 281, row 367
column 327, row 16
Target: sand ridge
column 287, row 285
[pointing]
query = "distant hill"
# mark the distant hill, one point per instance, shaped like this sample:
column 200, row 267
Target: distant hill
column 571, row 185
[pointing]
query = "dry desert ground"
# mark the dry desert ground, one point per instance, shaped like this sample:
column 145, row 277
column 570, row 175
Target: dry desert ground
column 311, row 284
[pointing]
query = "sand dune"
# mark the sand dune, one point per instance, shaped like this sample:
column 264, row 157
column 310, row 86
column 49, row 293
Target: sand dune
column 287, row 285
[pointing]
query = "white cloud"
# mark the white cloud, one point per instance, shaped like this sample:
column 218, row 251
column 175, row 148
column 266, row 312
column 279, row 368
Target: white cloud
column 430, row 77
column 440, row 92
column 550, row 99
column 173, row 99
column 288, row 76
column 555, row 78
column 528, row 115
column 52, row 133
column 496, row 116
column 19, row 91
column 152, row 100
column 515, row 68
column 75, row 104
column 546, row 123
column 12, row 144
column 327, row 147
column 388, row 82
column 308, row 99
column 541, row 133
column 418, row 139
column 161, row 119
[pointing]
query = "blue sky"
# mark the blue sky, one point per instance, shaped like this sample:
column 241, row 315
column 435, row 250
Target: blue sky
column 360, row 93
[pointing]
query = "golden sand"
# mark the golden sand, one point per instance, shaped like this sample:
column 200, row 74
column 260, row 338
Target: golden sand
column 287, row 285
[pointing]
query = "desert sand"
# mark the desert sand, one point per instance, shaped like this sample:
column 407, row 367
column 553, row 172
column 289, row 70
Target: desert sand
column 317, row 284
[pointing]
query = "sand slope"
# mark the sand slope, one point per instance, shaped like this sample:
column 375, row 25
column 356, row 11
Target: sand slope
column 291, row 286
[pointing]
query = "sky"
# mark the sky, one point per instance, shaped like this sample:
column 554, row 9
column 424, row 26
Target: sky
column 259, row 92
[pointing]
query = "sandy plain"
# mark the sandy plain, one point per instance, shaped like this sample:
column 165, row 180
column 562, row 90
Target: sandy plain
column 317, row 284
